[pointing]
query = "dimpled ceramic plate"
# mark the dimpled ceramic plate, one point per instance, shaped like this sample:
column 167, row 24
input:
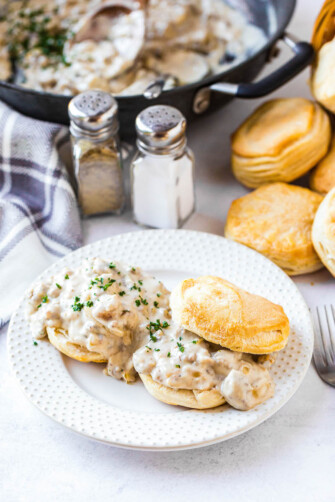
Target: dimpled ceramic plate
column 80, row 397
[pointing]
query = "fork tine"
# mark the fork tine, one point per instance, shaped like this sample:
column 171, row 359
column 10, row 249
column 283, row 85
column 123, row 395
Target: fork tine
column 331, row 326
column 324, row 331
column 318, row 354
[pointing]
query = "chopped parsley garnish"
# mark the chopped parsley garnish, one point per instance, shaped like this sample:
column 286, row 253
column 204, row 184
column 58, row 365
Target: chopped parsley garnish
column 33, row 31
column 122, row 293
column 143, row 300
column 35, row 343
column 77, row 306
column 125, row 312
column 66, row 276
column 169, row 354
column 133, row 269
column 194, row 341
column 138, row 303
column 58, row 285
column 102, row 285
column 147, row 346
column 140, row 282
column 157, row 350
column 112, row 265
column 96, row 280
column 45, row 299
column 106, row 286
column 177, row 365
column 153, row 327
column 39, row 306
column 135, row 287
column 156, row 304
column 119, row 273
column 159, row 295
column 89, row 303
column 180, row 347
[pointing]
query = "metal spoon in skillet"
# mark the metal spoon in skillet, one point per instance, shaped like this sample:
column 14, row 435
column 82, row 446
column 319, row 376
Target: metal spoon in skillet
column 121, row 22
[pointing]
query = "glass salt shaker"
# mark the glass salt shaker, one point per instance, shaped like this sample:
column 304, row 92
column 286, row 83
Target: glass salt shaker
column 162, row 171
column 96, row 153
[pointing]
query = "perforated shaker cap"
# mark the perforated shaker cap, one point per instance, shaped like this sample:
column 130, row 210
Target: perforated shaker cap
column 93, row 111
column 160, row 126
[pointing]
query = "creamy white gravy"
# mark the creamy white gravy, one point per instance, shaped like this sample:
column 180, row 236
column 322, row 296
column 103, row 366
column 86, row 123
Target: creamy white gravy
column 180, row 359
column 123, row 314
column 101, row 306
column 187, row 39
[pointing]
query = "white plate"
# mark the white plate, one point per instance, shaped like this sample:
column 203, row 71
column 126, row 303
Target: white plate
column 81, row 397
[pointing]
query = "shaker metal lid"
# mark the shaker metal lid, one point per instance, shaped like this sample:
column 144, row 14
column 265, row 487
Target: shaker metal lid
column 93, row 110
column 160, row 126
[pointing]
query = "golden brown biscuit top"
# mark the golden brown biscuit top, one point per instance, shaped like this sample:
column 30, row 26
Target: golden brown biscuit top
column 198, row 294
column 323, row 176
column 225, row 314
column 273, row 126
column 324, row 27
column 276, row 216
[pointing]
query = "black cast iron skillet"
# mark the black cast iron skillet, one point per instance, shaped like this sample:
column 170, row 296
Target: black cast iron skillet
column 200, row 97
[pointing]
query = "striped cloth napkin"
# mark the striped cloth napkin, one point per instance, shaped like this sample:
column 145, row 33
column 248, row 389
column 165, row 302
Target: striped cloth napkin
column 39, row 218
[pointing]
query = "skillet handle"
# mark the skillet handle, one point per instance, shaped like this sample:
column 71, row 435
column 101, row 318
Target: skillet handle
column 303, row 56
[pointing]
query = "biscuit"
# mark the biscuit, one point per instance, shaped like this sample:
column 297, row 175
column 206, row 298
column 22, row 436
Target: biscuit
column 324, row 26
column 226, row 315
column 58, row 339
column 323, row 232
column 276, row 220
column 322, row 178
column 323, row 78
column 280, row 141
column 197, row 399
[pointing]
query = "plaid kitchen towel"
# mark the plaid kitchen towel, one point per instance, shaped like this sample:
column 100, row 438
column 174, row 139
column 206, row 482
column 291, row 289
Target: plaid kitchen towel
column 39, row 219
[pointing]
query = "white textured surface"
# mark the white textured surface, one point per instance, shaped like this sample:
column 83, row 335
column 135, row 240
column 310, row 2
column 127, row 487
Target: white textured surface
column 48, row 379
column 290, row 457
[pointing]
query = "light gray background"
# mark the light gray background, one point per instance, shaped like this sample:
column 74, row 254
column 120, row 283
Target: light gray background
column 289, row 457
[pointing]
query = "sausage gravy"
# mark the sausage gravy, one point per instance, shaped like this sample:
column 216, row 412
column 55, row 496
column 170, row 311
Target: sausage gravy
column 123, row 314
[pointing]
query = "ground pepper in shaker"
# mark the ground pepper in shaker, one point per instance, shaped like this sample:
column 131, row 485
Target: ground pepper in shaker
column 162, row 181
column 96, row 153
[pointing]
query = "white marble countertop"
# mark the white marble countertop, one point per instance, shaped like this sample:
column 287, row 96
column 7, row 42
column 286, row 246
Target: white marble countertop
column 289, row 457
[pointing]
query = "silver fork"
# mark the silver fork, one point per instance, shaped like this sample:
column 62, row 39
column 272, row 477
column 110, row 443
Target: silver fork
column 324, row 346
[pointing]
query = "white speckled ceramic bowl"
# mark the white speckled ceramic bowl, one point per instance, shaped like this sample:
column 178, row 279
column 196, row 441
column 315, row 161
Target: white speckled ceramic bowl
column 80, row 397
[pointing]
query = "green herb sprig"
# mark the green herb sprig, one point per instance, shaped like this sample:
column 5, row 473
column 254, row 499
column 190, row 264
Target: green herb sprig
column 153, row 327
column 30, row 30
column 77, row 305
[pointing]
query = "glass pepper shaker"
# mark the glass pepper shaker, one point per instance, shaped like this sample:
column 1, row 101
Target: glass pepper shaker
column 162, row 171
column 96, row 153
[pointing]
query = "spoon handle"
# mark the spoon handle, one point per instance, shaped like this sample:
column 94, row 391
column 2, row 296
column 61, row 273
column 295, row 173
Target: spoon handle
column 155, row 88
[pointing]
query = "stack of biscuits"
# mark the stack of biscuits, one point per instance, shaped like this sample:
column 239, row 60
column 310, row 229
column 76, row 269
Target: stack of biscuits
column 279, row 142
column 282, row 140
column 322, row 85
